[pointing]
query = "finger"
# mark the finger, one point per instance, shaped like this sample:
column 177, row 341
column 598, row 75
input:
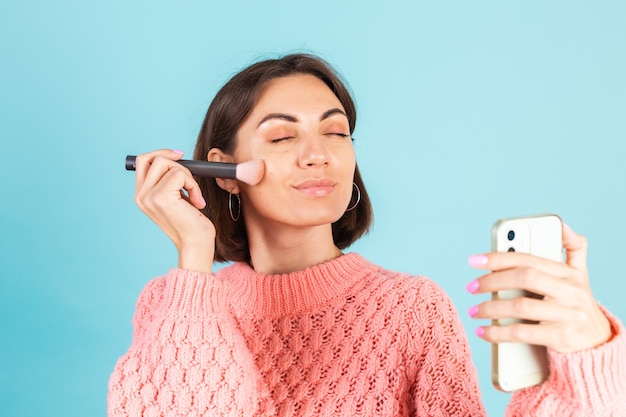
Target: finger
column 176, row 180
column 575, row 248
column 522, row 308
column 199, row 203
column 159, row 166
column 144, row 161
column 529, row 279
column 499, row 261
column 194, row 192
column 534, row 334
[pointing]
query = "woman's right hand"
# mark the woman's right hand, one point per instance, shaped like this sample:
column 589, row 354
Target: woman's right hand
column 167, row 192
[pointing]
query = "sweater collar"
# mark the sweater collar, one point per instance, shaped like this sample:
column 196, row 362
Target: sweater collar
column 284, row 294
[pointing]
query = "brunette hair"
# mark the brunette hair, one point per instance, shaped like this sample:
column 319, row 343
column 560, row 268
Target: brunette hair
column 229, row 109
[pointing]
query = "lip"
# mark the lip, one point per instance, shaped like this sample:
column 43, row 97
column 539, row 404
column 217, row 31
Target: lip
column 316, row 187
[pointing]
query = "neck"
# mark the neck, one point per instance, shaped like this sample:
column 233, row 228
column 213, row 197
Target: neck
column 289, row 249
column 285, row 294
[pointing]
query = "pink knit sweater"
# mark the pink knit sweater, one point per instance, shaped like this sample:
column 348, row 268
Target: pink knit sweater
column 341, row 338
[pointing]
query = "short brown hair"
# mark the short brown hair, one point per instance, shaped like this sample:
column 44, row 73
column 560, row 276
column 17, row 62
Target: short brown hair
column 229, row 109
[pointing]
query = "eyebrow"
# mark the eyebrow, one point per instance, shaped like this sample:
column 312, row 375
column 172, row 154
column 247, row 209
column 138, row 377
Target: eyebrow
column 293, row 119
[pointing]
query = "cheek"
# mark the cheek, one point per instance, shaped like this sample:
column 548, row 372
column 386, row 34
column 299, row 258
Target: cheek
column 265, row 192
column 349, row 157
column 277, row 168
column 348, row 192
column 350, row 166
column 261, row 199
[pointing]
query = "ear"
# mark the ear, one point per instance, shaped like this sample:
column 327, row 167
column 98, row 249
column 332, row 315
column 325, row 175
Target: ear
column 230, row 185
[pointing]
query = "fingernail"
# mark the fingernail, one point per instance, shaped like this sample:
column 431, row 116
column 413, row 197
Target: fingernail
column 480, row 331
column 472, row 311
column 565, row 225
column 472, row 287
column 178, row 152
column 477, row 260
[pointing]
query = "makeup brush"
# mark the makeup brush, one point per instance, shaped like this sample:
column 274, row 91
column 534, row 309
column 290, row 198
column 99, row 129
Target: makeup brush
column 250, row 172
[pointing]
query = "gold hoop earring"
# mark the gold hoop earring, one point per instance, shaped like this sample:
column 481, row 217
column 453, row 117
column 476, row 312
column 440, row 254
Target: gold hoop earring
column 230, row 206
column 358, row 197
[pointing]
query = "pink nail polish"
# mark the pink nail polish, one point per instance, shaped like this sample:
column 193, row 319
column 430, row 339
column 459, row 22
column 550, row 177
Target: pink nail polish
column 477, row 260
column 480, row 331
column 472, row 311
column 178, row 152
column 472, row 287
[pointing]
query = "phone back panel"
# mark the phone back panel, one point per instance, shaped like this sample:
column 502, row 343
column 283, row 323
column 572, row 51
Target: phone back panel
column 519, row 365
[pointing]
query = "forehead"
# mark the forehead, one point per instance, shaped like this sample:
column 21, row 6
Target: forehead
column 298, row 92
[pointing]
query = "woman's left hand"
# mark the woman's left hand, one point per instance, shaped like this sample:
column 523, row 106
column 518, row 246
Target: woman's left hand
column 569, row 319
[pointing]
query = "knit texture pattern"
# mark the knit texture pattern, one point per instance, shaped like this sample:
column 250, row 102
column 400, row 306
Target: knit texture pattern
column 344, row 338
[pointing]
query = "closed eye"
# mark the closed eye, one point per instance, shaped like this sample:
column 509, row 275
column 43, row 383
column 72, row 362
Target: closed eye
column 341, row 135
column 278, row 140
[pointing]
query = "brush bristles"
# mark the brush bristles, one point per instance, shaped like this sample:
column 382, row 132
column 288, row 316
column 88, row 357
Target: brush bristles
column 251, row 172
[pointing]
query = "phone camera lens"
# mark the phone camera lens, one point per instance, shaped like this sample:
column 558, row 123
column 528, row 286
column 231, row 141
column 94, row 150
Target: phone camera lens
column 511, row 250
column 511, row 235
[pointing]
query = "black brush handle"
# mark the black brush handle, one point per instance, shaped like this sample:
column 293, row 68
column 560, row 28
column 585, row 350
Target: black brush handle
column 198, row 168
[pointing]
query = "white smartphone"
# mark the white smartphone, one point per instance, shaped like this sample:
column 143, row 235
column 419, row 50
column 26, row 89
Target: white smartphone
column 519, row 365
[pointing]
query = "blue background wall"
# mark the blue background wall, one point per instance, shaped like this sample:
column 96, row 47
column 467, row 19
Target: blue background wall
column 469, row 111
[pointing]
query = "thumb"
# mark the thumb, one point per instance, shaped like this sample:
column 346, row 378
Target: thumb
column 575, row 246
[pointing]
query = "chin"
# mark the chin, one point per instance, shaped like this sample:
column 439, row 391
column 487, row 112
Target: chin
column 318, row 218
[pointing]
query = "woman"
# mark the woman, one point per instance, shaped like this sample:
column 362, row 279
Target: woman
column 295, row 327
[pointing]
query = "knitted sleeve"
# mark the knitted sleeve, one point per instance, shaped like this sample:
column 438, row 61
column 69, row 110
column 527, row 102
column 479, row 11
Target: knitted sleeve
column 446, row 382
column 188, row 356
column 148, row 301
column 581, row 384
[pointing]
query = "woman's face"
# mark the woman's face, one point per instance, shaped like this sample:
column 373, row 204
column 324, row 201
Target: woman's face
column 300, row 130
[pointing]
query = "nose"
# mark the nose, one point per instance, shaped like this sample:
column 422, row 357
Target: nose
column 313, row 152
